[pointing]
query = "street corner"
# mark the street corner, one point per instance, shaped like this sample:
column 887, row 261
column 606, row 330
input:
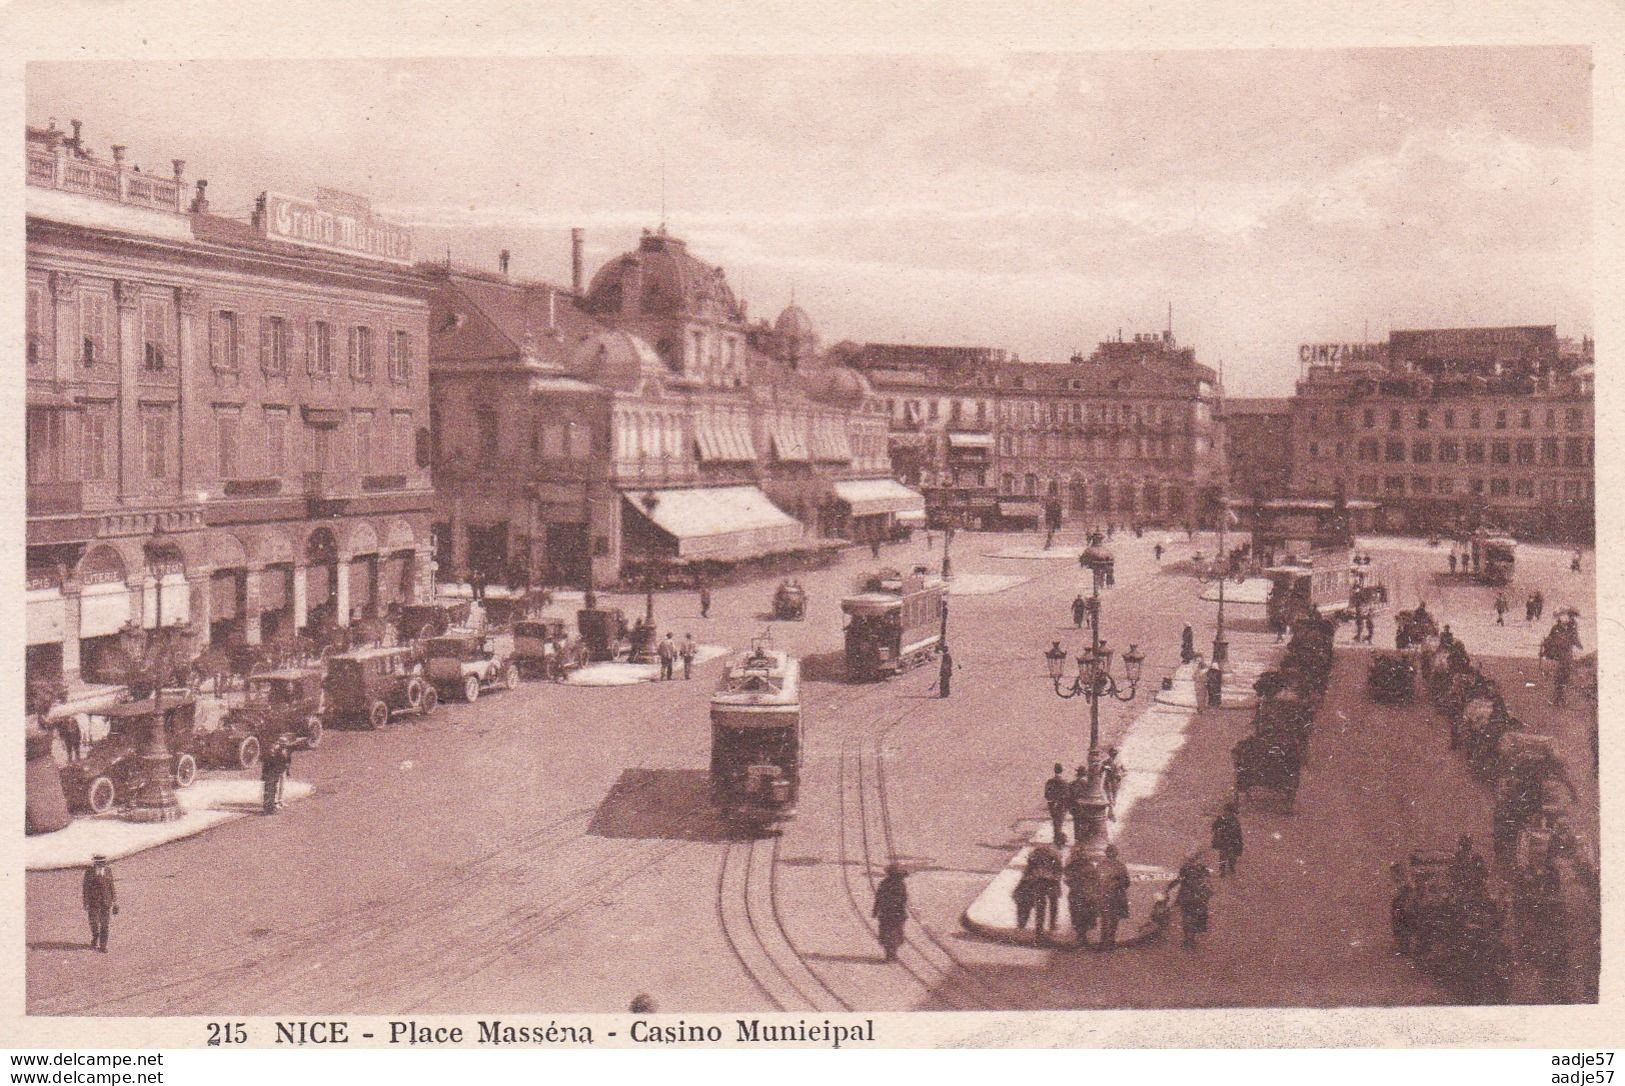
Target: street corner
column 206, row 804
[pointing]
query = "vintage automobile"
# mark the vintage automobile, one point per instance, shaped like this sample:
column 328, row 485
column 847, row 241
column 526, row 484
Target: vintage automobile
column 113, row 769
column 1391, row 679
column 283, row 705
column 430, row 619
column 790, row 602
column 463, row 664
column 603, row 633
column 369, row 686
column 544, row 647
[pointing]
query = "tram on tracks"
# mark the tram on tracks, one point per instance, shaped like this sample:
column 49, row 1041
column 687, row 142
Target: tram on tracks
column 894, row 623
column 1322, row 583
column 756, row 737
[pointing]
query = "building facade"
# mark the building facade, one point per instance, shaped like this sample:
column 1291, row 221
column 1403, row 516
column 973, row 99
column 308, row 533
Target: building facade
column 1456, row 428
column 640, row 425
column 1258, row 446
column 1130, row 434
column 227, row 422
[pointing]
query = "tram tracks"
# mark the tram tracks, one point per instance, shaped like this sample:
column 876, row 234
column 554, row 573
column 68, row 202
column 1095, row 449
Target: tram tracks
column 752, row 922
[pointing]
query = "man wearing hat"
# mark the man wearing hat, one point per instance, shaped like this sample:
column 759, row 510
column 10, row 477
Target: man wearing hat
column 1227, row 838
column 891, row 910
column 1055, row 798
column 1114, row 880
column 101, row 902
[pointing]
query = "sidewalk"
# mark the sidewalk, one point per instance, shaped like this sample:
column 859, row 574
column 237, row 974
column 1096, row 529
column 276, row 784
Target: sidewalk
column 210, row 802
column 1147, row 747
column 626, row 673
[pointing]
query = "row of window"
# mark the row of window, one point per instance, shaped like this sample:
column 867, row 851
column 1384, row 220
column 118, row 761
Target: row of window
column 960, row 412
column 1548, row 490
column 278, row 348
column 554, row 440
column 1424, row 418
column 228, row 348
column 1147, row 496
column 1033, row 413
column 1570, row 452
column 1143, row 446
column 374, row 441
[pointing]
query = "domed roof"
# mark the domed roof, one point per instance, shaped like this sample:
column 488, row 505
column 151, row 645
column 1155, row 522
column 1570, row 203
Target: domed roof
column 671, row 283
column 794, row 322
column 615, row 357
column 842, row 385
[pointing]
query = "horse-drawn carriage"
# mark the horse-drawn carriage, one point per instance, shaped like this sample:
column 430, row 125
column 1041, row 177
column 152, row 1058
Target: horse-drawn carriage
column 1274, row 755
column 1452, row 927
column 1483, row 723
column 1525, row 793
column 1391, row 679
column 790, row 602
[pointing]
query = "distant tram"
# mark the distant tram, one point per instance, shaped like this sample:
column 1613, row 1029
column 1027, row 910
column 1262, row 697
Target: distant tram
column 895, row 623
column 756, row 737
column 1494, row 556
column 1325, row 585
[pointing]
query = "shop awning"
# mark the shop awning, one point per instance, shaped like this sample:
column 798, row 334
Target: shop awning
column 789, row 443
column 970, row 441
column 829, row 442
column 869, row 497
column 1020, row 509
column 724, row 439
column 724, row 523
column 911, row 516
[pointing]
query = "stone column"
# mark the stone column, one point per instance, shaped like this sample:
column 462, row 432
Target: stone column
column 299, row 597
column 251, row 606
column 70, row 636
column 341, row 591
column 422, row 590
column 127, row 329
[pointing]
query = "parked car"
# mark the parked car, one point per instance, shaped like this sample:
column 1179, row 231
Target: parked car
column 430, row 619
column 114, row 769
column 281, row 705
column 544, row 647
column 463, row 664
column 369, row 687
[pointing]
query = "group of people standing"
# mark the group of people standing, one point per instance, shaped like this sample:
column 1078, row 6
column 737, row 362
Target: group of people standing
column 669, row 652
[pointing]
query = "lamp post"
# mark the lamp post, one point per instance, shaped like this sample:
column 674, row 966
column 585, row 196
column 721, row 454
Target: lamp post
column 1221, row 647
column 1093, row 682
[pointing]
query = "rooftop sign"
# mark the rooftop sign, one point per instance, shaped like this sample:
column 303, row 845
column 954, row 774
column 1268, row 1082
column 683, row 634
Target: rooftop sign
column 337, row 222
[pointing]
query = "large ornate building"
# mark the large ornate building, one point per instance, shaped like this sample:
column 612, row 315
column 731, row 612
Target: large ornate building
column 1452, row 428
column 226, row 421
column 640, row 424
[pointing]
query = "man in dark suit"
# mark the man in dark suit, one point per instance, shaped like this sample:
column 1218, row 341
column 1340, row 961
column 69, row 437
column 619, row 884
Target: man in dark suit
column 101, row 901
column 1055, row 798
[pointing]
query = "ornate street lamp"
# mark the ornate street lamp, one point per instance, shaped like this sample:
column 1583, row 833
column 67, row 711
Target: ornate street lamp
column 1093, row 682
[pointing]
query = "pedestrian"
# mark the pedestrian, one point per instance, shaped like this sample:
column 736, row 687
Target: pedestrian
column 1114, row 881
column 101, row 900
column 1562, row 668
column 1277, row 623
column 1540, row 604
column 1045, row 870
column 1187, row 645
column 1215, row 686
column 874, row 548
column 1077, row 796
column 1500, row 609
column 1194, row 891
column 1157, row 551
column 1452, row 563
column 270, row 776
column 1529, row 608
column 1227, row 838
column 1025, row 895
column 1084, row 894
column 1447, row 640
column 1574, row 563
column 945, row 672
column 72, row 738
column 891, row 910
column 1111, row 778
column 476, row 584
column 705, row 601
column 666, row 651
column 1079, row 609
column 1055, row 793
column 688, row 652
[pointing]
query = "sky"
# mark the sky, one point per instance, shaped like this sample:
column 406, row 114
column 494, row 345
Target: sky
column 1036, row 203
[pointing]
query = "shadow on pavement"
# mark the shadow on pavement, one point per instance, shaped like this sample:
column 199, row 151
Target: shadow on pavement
column 669, row 804
column 824, row 667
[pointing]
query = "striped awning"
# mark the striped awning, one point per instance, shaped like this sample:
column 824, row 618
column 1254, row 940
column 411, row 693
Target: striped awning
column 789, row 442
column 829, row 441
column 870, row 497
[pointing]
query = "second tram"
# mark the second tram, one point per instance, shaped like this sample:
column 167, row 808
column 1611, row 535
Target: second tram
column 894, row 623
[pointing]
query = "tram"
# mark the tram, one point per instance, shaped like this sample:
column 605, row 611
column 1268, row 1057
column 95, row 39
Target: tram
column 1324, row 584
column 756, row 737
column 1494, row 556
column 895, row 622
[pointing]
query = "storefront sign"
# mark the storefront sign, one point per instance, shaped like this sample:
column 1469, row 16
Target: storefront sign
column 1475, row 342
column 342, row 225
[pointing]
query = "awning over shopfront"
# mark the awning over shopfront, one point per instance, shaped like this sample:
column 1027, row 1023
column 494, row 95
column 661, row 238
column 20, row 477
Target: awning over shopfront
column 719, row 522
column 724, row 439
column 1020, row 509
column 46, row 619
column 911, row 516
column 829, row 442
column 970, row 441
column 789, row 443
column 869, row 497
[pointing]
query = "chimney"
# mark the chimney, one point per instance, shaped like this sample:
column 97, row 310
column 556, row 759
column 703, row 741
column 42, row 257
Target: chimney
column 118, row 154
column 200, row 202
column 575, row 259
column 180, row 168
column 502, row 262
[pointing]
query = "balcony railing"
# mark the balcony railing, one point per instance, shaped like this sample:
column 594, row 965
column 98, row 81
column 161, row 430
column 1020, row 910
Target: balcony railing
column 59, row 170
column 47, row 499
